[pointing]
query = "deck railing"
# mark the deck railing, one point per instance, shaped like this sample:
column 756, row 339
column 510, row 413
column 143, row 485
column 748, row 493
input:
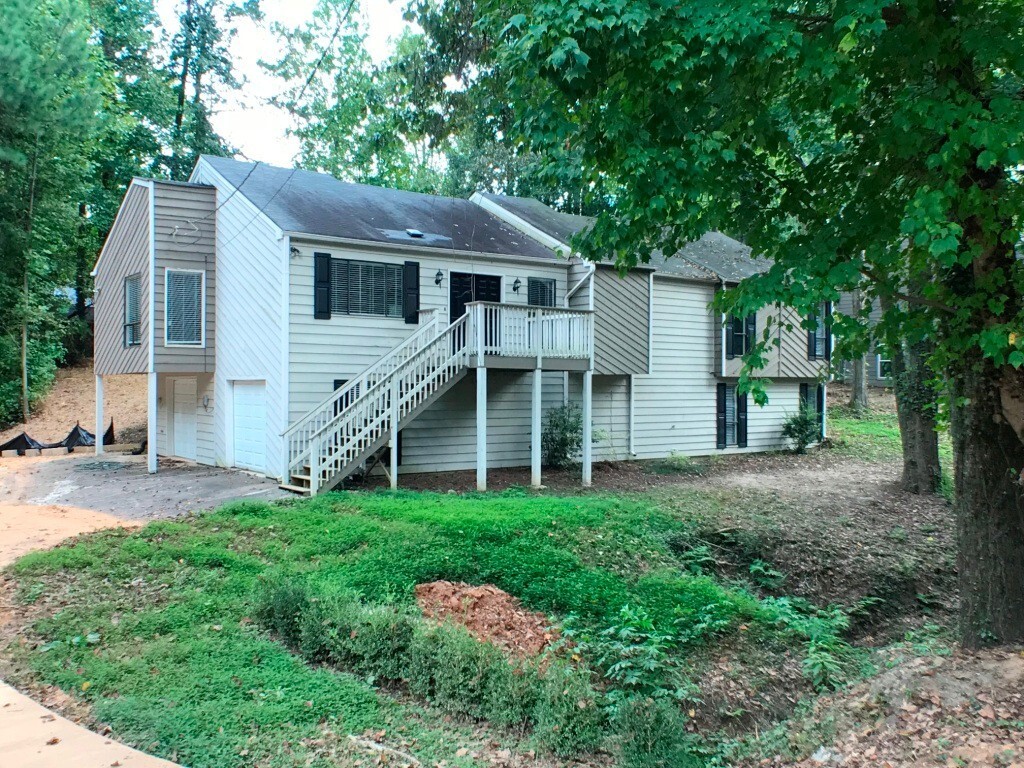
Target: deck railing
column 515, row 330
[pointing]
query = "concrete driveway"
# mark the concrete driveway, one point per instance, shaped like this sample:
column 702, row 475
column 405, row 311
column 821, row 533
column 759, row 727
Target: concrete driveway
column 118, row 484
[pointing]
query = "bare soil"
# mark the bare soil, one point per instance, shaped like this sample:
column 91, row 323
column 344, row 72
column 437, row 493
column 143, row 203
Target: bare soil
column 489, row 613
column 73, row 400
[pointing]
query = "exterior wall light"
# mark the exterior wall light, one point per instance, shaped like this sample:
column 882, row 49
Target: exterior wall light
column 438, row 277
column 517, row 285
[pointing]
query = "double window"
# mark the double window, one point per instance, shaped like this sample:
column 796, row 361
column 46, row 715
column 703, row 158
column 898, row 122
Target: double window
column 184, row 300
column 819, row 338
column 366, row 288
column 132, row 311
column 740, row 335
column 540, row 291
column 732, row 417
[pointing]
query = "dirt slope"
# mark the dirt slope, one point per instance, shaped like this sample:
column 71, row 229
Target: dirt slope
column 73, row 398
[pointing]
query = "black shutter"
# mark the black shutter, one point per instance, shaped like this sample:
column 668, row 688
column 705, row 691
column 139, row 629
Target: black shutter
column 820, row 398
column 411, row 292
column 322, row 286
column 750, row 332
column 805, row 396
column 721, row 416
column 741, row 421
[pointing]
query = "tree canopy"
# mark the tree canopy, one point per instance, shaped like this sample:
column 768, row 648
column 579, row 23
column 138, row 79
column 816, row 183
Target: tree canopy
column 871, row 144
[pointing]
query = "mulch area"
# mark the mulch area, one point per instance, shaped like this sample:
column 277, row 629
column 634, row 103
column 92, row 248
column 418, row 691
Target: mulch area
column 490, row 614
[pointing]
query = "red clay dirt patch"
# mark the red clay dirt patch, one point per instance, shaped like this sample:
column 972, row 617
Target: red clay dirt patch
column 490, row 614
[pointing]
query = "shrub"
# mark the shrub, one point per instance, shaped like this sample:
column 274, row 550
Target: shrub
column 562, row 438
column 568, row 718
column 803, row 428
column 282, row 608
column 652, row 732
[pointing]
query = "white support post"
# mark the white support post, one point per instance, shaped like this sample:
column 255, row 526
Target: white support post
column 588, row 392
column 632, row 415
column 481, row 427
column 535, row 479
column 99, row 414
column 395, row 418
column 151, row 424
column 314, row 465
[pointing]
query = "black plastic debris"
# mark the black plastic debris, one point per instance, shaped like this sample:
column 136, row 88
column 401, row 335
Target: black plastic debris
column 76, row 437
column 22, row 443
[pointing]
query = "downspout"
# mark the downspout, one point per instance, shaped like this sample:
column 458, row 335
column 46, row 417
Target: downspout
column 723, row 331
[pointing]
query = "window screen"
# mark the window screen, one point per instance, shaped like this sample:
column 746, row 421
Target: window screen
column 540, row 291
column 132, row 313
column 184, row 293
column 366, row 288
column 818, row 341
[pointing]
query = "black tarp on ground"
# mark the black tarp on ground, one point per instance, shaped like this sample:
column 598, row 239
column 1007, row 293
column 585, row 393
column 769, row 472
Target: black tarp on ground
column 76, row 437
column 22, row 443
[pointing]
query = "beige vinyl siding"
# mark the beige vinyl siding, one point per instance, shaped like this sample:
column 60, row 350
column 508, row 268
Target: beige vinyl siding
column 580, row 270
column 443, row 438
column 845, row 306
column 675, row 406
column 621, row 319
column 251, row 314
column 320, row 351
column 610, row 414
column 126, row 252
column 185, row 238
column 786, row 355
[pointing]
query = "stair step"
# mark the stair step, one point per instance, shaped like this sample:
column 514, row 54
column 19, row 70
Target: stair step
column 294, row 489
column 300, row 476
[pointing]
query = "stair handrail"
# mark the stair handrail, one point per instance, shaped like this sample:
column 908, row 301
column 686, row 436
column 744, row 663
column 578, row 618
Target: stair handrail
column 407, row 363
column 385, row 389
column 367, row 372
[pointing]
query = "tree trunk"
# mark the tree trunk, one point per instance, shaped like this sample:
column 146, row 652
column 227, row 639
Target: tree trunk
column 915, row 408
column 186, row 63
column 989, row 506
column 26, row 296
column 81, row 262
column 859, row 385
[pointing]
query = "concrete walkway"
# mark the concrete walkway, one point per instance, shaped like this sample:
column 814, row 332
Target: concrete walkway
column 33, row 516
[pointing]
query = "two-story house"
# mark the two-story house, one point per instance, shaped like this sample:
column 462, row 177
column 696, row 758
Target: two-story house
column 302, row 327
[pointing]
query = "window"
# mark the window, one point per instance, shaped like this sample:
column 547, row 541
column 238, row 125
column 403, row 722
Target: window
column 740, row 333
column 540, row 291
column 366, row 288
column 732, row 417
column 819, row 339
column 184, row 297
column 132, row 313
column 815, row 401
column 883, row 363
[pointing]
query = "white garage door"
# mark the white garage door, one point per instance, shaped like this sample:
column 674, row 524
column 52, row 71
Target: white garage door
column 183, row 418
column 250, row 425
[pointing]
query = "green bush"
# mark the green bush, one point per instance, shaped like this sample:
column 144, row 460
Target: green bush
column 283, row 608
column 652, row 733
column 562, row 438
column 803, row 428
column 568, row 718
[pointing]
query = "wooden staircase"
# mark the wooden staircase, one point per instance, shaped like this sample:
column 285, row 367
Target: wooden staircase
column 356, row 423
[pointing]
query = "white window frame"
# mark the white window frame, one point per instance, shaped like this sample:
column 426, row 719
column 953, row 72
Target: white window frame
column 878, row 367
column 202, row 309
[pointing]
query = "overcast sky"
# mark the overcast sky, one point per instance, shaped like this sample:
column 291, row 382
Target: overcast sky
column 247, row 122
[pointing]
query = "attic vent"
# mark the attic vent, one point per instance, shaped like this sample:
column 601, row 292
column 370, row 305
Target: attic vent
column 414, row 233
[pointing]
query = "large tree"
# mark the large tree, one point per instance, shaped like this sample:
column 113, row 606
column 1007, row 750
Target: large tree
column 853, row 142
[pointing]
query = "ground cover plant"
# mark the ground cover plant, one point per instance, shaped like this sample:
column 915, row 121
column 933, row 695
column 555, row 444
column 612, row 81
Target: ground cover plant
column 194, row 639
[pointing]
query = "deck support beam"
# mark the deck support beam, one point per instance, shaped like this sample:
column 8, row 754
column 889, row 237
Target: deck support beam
column 395, row 417
column 588, row 429
column 151, row 423
column 535, row 428
column 481, row 428
column 99, row 414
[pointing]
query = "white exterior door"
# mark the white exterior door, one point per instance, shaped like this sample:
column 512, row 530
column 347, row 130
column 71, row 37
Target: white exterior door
column 249, row 408
column 183, row 418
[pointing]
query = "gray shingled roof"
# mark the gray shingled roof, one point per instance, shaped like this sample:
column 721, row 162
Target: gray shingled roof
column 318, row 204
column 713, row 257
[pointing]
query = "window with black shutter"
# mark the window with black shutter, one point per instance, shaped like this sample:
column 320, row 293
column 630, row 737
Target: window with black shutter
column 354, row 287
column 731, row 419
column 132, row 312
column 815, row 402
column 540, row 291
column 819, row 338
column 740, row 335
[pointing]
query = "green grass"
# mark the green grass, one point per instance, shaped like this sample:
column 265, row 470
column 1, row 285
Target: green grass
column 154, row 628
